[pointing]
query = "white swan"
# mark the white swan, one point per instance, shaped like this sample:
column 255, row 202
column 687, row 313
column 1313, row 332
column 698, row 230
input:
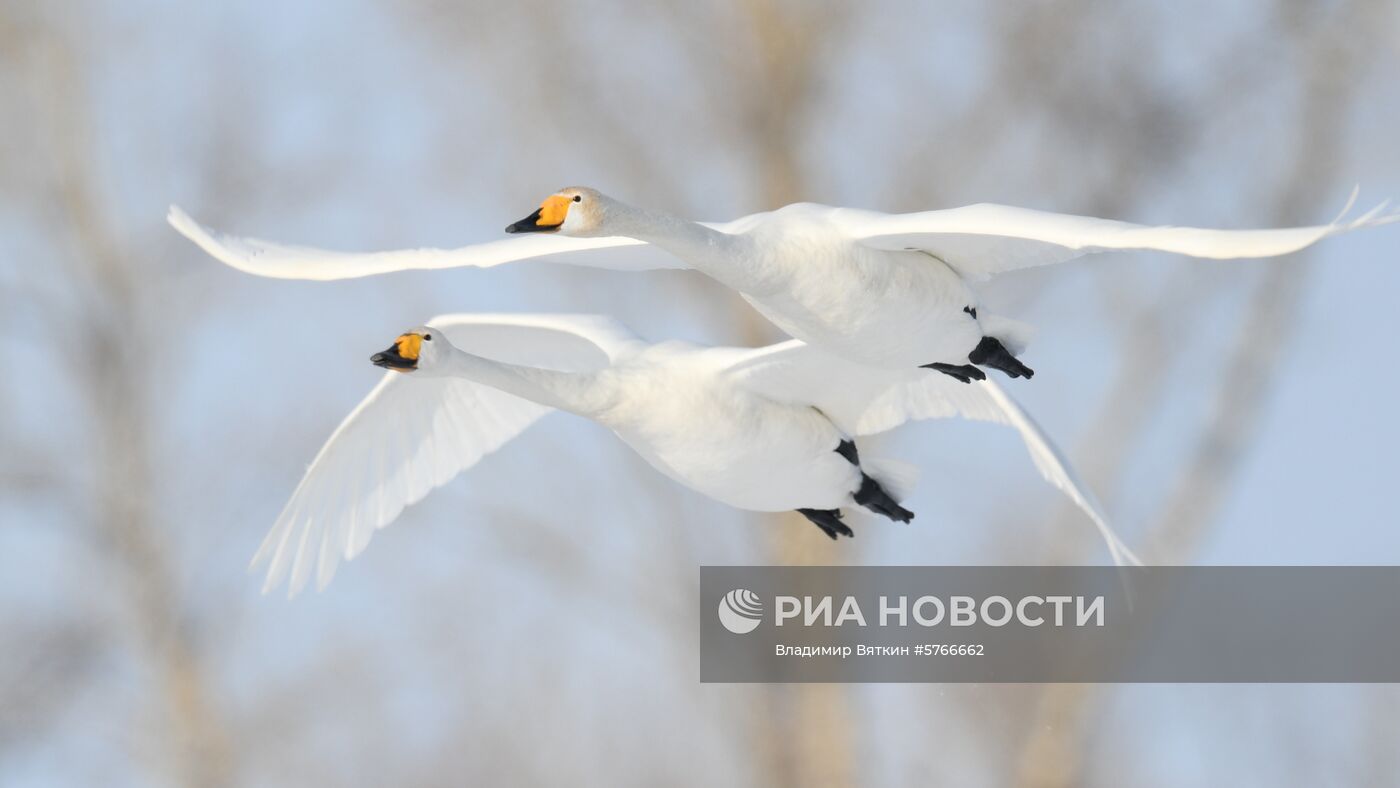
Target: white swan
column 885, row 290
column 767, row 430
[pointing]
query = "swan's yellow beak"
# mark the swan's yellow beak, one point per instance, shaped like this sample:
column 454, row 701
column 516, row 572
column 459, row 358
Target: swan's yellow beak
column 547, row 219
column 402, row 356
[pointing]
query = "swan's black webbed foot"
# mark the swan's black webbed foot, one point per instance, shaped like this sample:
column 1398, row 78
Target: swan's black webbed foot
column 873, row 497
column 829, row 520
column 991, row 353
column 964, row 372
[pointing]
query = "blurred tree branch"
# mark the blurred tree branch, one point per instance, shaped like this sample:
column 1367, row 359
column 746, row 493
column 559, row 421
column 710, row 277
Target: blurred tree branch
column 41, row 680
column 106, row 335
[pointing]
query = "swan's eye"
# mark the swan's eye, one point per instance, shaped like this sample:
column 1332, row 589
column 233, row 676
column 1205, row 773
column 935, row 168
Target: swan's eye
column 578, row 198
column 428, row 337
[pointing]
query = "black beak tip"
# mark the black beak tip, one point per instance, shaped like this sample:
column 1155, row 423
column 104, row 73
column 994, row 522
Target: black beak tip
column 390, row 359
column 530, row 224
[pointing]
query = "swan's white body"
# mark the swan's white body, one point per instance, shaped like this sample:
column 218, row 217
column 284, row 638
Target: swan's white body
column 884, row 290
column 887, row 308
column 756, row 429
column 677, row 407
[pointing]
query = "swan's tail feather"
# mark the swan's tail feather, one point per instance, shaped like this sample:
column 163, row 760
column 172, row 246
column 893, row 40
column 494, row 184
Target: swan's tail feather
column 1014, row 335
column 896, row 476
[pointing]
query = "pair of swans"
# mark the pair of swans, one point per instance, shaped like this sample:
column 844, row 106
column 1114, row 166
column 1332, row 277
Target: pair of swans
column 875, row 302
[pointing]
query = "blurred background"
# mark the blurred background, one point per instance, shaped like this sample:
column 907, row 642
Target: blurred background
column 534, row 622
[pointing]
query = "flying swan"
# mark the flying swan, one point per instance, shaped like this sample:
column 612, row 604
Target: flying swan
column 885, row 290
column 768, row 429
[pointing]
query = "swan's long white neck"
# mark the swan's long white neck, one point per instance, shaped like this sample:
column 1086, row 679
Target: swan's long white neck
column 575, row 392
column 720, row 255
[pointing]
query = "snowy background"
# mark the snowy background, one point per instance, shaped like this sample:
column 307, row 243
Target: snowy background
column 534, row 621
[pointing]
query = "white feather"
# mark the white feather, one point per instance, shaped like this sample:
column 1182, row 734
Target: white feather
column 885, row 290
column 897, row 477
column 412, row 435
column 863, row 400
column 1015, row 336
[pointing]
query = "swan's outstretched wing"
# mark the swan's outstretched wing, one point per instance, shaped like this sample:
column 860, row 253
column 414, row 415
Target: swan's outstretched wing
column 282, row 261
column 979, row 241
column 413, row 434
column 863, row 400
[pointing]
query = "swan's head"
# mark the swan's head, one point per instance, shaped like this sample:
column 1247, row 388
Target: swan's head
column 419, row 349
column 576, row 210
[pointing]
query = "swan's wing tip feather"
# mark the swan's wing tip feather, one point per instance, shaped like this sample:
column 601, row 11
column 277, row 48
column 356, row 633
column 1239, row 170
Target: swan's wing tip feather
column 229, row 251
column 186, row 225
column 176, row 216
column 1350, row 203
column 1056, row 470
column 1381, row 214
